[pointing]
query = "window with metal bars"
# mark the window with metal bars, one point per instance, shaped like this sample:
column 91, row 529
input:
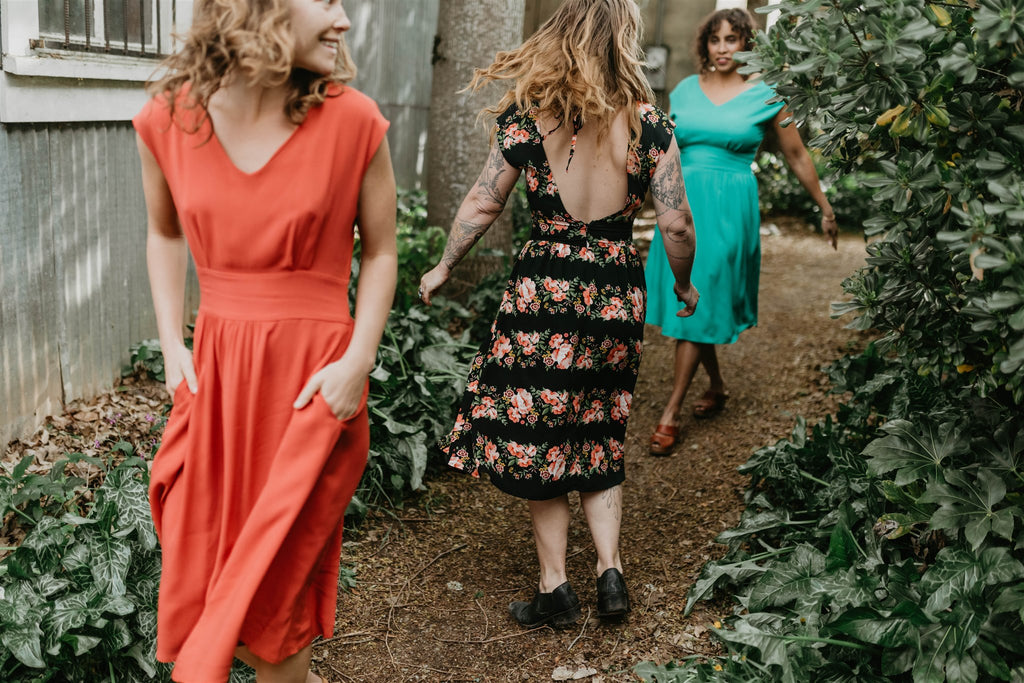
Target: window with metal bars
column 119, row 27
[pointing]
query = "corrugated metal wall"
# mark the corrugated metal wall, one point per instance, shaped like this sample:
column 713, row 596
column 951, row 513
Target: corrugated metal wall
column 74, row 294
column 392, row 42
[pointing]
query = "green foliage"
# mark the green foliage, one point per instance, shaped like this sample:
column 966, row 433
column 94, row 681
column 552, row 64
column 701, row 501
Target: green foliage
column 780, row 192
column 78, row 595
column 421, row 365
column 146, row 355
column 419, row 246
column 420, row 371
column 886, row 543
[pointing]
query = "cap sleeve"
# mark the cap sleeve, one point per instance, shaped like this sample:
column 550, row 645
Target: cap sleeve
column 152, row 120
column 377, row 127
column 516, row 135
column 656, row 131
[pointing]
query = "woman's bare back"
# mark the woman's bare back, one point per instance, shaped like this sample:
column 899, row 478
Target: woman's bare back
column 595, row 184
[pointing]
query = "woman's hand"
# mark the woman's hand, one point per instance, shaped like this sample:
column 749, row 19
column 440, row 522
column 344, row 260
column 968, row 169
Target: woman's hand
column 178, row 367
column 432, row 281
column 831, row 230
column 689, row 296
column 340, row 383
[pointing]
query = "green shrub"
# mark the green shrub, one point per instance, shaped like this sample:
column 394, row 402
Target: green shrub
column 78, row 595
column 886, row 544
column 781, row 194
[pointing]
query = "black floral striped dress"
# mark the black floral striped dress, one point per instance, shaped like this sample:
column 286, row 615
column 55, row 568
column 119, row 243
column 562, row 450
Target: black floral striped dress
column 549, row 394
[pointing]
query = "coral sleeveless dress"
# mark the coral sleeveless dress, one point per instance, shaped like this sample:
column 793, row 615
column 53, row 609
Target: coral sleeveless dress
column 717, row 144
column 549, row 394
column 248, row 494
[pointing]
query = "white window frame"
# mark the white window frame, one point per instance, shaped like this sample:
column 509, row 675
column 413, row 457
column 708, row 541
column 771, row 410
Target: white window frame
column 49, row 86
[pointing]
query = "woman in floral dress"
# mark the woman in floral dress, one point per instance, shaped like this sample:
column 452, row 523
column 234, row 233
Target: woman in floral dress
column 549, row 394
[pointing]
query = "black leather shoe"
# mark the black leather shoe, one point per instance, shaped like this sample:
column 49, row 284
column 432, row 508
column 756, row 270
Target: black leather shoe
column 612, row 595
column 558, row 608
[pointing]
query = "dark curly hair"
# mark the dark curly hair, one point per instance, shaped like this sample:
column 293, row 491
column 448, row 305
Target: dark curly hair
column 741, row 22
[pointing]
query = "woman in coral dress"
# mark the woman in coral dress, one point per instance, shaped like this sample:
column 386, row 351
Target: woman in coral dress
column 549, row 394
column 258, row 159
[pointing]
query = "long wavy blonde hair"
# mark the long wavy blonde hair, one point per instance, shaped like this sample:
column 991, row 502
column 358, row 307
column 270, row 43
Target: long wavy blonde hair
column 584, row 63
column 249, row 39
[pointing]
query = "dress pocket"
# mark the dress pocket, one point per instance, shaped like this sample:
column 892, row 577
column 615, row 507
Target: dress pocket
column 322, row 406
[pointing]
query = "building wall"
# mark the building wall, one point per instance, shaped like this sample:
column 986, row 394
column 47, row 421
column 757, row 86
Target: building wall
column 72, row 265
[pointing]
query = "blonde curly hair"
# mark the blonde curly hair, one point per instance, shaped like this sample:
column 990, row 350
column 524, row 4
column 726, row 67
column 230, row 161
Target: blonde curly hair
column 249, row 39
column 583, row 63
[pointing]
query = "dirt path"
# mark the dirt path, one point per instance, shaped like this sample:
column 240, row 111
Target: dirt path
column 435, row 578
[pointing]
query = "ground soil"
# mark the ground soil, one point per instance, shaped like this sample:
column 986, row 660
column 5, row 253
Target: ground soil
column 434, row 578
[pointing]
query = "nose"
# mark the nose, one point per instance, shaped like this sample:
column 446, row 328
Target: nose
column 342, row 22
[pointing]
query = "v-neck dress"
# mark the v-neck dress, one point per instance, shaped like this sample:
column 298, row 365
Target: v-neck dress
column 549, row 393
column 248, row 494
column 717, row 144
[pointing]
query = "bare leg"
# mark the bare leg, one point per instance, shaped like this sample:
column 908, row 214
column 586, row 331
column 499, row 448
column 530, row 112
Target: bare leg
column 551, row 534
column 709, row 359
column 295, row 669
column 604, row 516
column 688, row 356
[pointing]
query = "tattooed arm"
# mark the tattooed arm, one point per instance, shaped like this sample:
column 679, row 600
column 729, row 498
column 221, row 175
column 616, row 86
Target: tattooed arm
column 479, row 210
column 676, row 224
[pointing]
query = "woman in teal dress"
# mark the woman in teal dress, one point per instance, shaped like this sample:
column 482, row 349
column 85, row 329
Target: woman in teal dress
column 721, row 119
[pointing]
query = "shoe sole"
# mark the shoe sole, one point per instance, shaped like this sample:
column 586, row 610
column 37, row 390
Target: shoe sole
column 559, row 620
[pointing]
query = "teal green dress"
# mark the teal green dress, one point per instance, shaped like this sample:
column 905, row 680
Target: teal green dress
column 717, row 145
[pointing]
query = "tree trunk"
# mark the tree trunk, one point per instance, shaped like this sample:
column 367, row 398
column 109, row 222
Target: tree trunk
column 469, row 33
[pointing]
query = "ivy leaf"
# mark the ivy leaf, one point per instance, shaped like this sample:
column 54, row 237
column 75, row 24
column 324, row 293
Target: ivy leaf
column 789, row 580
column 915, row 452
column 771, row 646
column 843, row 589
column 81, row 644
column 715, row 571
column 132, row 501
column 757, row 523
column 48, row 584
column 69, row 613
column 24, row 640
column 897, row 628
column 110, row 564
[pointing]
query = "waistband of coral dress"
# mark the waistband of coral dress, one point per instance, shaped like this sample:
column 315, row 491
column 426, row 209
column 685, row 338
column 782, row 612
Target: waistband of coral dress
column 274, row 295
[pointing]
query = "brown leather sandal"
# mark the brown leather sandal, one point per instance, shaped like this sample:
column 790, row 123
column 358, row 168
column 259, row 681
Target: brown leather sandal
column 709, row 404
column 663, row 440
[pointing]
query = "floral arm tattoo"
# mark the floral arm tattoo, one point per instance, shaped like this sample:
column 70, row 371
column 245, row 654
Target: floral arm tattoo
column 481, row 207
column 674, row 217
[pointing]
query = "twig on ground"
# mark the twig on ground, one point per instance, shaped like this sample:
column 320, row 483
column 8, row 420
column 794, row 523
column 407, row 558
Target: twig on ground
column 351, row 634
column 487, row 622
column 582, row 631
column 335, row 670
column 489, row 640
column 616, row 645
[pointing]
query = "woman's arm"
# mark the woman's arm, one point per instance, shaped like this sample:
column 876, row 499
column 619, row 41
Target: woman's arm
column 341, row 383
column 800, row 161
column 676, row 224
column 481, row 207
column 166, row 258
